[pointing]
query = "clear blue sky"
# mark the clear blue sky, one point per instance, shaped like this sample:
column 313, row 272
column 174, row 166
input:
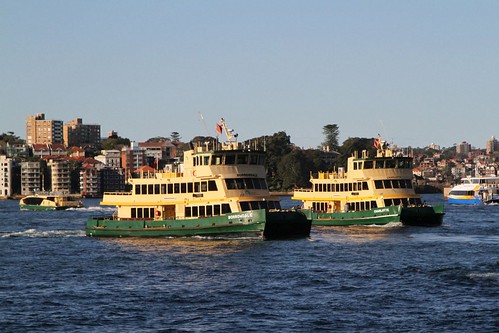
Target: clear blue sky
column 418, row 72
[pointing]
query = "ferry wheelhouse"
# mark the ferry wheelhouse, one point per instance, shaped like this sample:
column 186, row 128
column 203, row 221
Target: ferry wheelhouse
column 372, row 190
column 475, row 191
column 219, row 189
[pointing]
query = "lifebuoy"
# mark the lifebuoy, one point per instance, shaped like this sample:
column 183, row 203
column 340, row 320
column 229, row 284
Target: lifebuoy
column 158, row 213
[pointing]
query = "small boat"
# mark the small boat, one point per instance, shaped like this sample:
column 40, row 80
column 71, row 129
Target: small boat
column 50, row 201
column 475, row 191
column 373, row 190
column 219, row 189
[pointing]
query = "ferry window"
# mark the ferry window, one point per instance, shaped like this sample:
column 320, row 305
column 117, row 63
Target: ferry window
column 183, row 188
column 170, row 188
column 139, row 213
column 239, row 183
column 242, row 158
column 380, row 164
column 156, row 188
column 212, row 185
column 209, row 210
column 263, row 184
column 204, row 186
column 342, row 188
column 365, row 187
column 401, row 164
column 216, row 209
column 137, row 189
column 368, row 164
column 195, row 161
column 163, row 188
column 206, row 160
column 146, row 213
column 188, row 212
column 245, row 206
column 144, row 189
column 253, row 159
column 355, row 165
column 378, row 184
column 409, row 183
column 195, row 211
column 201, row 211
column 134, row 213
column 403, row 183
column 249, row 183
column 189, row 187
column 390, row 164
column 150, row 189
column 230, row 159
column 396, row 184
column 316, row 187
column 387, row 183
column 176, row 188
column 225, row 208
column 374, row 204
column 337, row 187
column 231, row 184
column 350, row 187
column 329, row 187
column 197, row 187
column 355, row 187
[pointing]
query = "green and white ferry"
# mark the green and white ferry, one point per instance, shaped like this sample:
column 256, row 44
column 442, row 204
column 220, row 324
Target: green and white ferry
column 220, row 189
column 372, row 190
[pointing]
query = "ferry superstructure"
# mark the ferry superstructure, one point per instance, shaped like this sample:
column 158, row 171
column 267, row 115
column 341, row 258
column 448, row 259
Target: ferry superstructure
column 475, row 191
column 50, row 201
column 219, row 189
column 372, row 190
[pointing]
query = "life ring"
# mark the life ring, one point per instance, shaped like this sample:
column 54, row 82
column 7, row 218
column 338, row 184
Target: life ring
column 158, row 213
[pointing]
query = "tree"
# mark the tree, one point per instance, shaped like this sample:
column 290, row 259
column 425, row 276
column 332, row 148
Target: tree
column 352, row 145
column 331, row 133
column 115, row 143
column 175, row 137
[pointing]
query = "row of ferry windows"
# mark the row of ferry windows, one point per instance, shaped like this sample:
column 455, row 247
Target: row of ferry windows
column 250, row 205
column 173, row 188
column 246, row 184
column 393, row 183
column 229, row 159
column 341, row 187
column 208, row 210
column 383, row 164
column 355, row 206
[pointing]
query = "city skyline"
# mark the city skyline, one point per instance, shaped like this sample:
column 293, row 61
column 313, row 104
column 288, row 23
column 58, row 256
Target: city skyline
column 415, row 72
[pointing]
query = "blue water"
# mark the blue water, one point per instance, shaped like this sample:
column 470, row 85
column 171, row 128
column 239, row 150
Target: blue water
column 347, row 279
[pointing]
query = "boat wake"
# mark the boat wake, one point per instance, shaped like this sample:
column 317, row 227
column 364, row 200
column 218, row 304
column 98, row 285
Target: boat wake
column 93, row 209
column 33, row 233
column 386, row 226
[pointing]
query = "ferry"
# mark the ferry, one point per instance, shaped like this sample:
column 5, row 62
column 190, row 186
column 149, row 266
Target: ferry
column 51, row 201
column 371, row 191
column 475, row 191
column 219, row 189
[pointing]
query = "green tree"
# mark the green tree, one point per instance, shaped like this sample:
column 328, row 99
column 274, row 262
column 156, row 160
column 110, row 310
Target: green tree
column 331, row 133
column 175, row 137
column 115, row 143
column 352, row 145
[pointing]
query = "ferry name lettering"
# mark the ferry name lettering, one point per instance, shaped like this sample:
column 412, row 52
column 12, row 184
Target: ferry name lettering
column 383, row 210
column 241, row 216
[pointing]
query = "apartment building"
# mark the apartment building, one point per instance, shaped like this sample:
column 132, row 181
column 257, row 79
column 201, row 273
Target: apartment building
column 75, row 133
column 5, row 176
column 31, row 178
column 41, row 130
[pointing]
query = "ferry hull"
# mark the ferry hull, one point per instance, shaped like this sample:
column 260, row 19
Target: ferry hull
column 414, row 216
column 43, row 208
column 464, row 200
column 424, row 216
column 288, row 224
column 378, row 216
column 256, row 223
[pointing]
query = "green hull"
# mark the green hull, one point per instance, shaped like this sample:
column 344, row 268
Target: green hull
column 249, row 223
column 38, row 207
column 415, row 216
column 383, row 215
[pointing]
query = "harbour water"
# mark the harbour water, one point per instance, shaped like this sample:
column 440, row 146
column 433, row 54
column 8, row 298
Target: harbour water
column 345, row 279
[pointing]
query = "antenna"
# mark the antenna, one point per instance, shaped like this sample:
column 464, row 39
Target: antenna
column 201, row 118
